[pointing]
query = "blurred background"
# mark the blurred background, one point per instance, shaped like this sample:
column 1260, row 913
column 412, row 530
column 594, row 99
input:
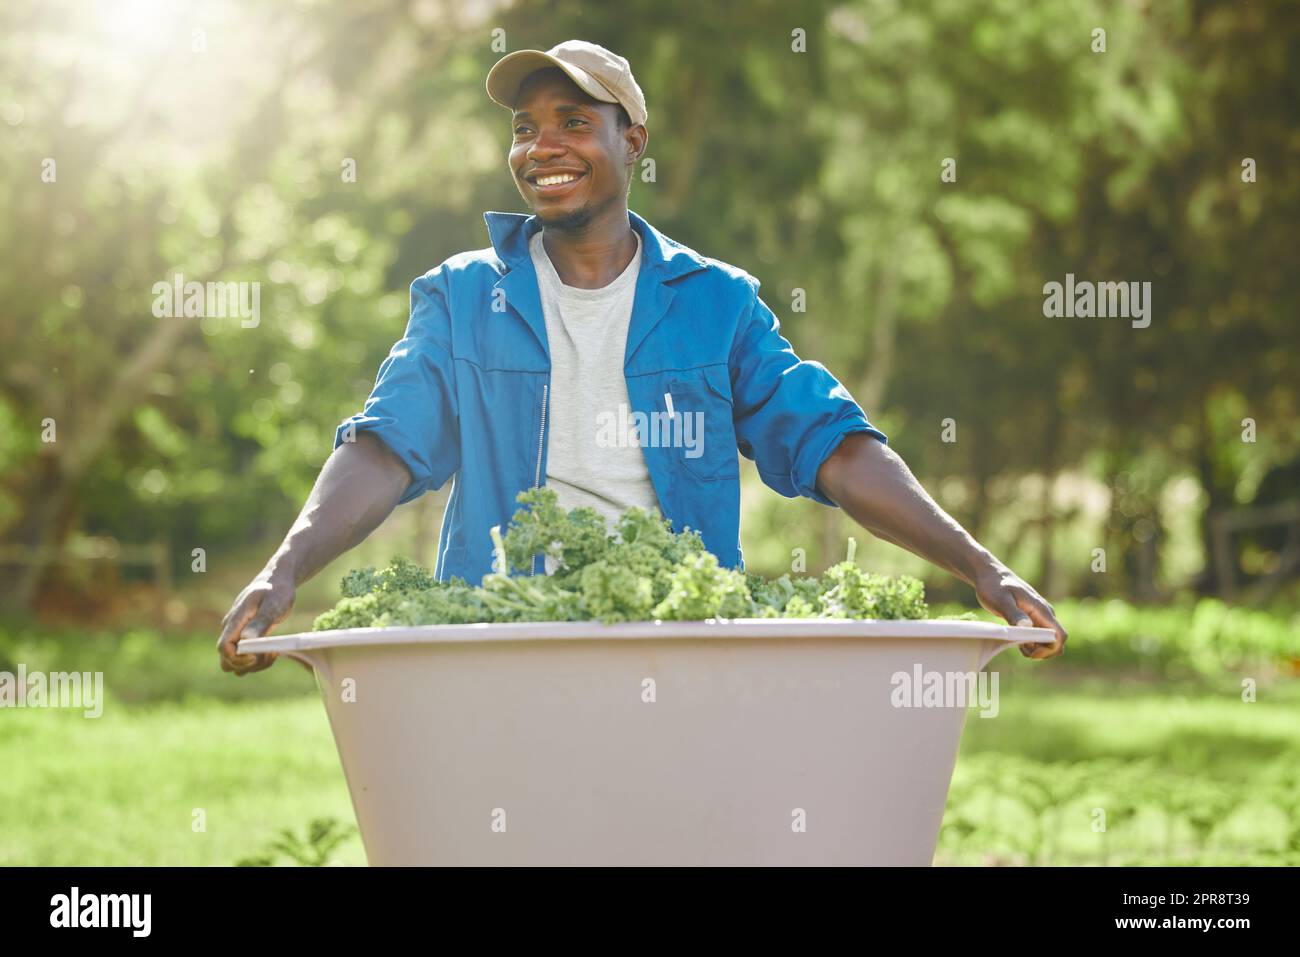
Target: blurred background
column 903, row 179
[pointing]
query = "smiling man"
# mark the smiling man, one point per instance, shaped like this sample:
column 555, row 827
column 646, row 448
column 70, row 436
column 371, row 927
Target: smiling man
column 518, row 357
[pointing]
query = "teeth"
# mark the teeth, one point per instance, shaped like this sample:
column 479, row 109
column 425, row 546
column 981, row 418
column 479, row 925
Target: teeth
column 556, row 180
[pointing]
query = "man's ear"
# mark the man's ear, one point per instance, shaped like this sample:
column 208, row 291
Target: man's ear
column 638, row 138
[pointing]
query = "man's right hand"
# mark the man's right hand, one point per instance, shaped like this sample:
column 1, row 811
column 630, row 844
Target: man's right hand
column 361, row 483
column 265, row 602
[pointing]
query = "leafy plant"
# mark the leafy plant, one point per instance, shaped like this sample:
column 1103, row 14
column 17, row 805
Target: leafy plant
column 643, row 571
column 324, row 835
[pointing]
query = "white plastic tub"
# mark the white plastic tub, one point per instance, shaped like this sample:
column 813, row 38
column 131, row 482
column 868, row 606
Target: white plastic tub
column 537, row 744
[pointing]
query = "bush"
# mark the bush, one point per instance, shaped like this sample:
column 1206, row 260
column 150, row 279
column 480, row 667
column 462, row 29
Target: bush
column 1205, row 638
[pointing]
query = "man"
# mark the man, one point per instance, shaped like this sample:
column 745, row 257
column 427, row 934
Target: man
column 523, row 363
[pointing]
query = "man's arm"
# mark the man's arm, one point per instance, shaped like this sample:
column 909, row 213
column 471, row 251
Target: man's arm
column 358, row 488
column 873, row 484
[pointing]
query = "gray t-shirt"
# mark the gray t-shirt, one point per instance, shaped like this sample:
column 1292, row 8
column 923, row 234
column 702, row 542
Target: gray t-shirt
column 586, row 329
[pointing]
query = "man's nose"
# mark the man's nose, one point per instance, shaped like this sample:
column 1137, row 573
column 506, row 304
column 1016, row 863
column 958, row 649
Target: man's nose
column 547, row 144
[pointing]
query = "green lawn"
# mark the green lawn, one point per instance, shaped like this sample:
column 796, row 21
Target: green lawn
column 1100, row 770
column 123, row 788
column 1184, row 772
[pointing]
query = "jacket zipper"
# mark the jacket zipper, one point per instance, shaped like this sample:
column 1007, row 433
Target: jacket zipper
column 541, row 435
column 541, row 438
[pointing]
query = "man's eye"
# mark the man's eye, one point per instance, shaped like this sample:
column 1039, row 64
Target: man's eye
column 574, row 119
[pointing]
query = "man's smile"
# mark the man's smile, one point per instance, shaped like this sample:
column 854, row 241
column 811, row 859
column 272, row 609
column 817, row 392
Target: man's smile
column 549, row 183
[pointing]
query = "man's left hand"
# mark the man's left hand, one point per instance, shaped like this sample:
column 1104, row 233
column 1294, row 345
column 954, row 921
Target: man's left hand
column 1005, row 593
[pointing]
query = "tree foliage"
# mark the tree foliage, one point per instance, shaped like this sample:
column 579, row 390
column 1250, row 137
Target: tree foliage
column 214, row 142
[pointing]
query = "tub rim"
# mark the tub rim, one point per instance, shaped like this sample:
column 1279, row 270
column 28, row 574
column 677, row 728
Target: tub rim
column 771, row 628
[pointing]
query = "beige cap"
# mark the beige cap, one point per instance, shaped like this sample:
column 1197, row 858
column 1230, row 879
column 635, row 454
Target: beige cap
column 602, row 75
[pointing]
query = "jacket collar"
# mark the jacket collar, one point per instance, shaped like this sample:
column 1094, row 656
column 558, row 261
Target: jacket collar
column 662, row 260
column 510, row 233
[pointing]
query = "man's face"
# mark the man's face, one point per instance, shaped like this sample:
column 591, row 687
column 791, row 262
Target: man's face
column 561, row 131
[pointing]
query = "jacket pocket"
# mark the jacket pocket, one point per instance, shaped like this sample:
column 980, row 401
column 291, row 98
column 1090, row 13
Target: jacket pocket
column 702, row 408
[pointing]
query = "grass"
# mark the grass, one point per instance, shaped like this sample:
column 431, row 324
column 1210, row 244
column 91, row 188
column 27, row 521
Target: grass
column 124, row 788
column 1184, row 771
column 1089, row 770
column 177, row 736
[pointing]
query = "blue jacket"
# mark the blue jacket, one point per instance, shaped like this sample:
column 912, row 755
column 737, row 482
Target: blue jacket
column 463, row 394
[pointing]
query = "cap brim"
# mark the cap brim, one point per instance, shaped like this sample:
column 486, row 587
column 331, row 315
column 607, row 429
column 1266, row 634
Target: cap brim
column 509, row 73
